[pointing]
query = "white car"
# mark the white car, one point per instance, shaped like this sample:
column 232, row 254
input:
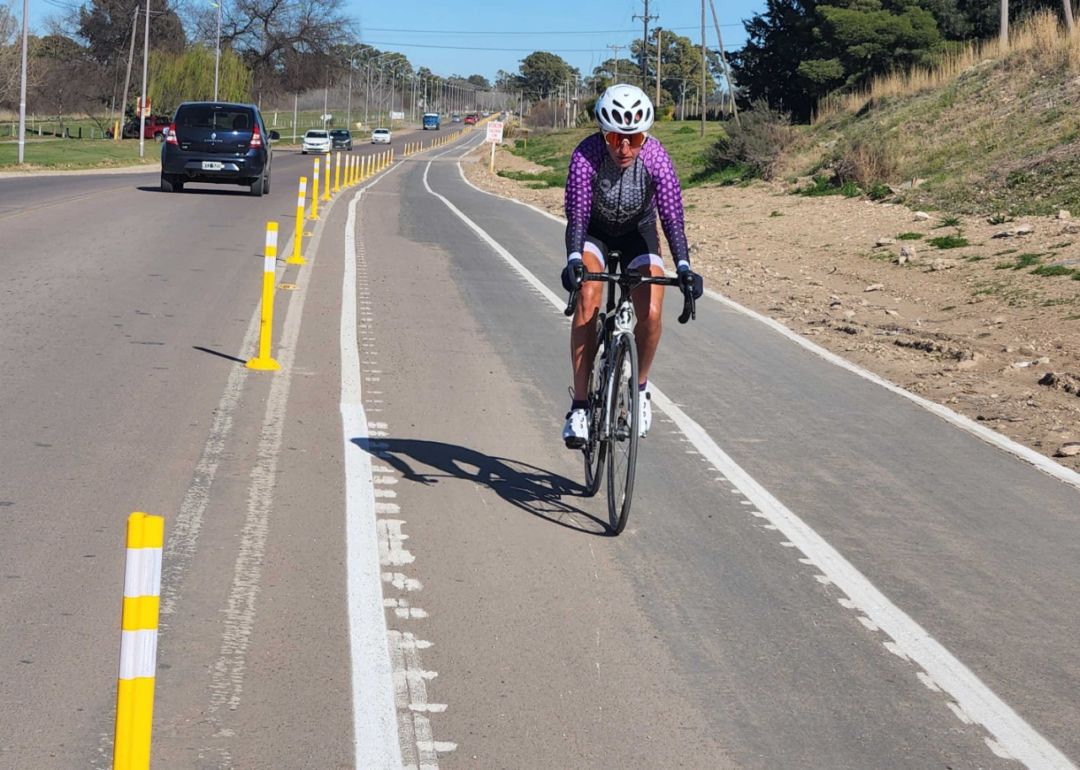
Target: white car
column 316, row 140
column 380, row 136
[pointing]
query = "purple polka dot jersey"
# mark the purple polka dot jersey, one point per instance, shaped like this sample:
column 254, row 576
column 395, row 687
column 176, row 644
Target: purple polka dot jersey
column 607, row 201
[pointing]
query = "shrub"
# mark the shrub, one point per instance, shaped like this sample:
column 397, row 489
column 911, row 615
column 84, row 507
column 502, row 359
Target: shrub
column 948, row 242
column 754, row 144
column 869, row 164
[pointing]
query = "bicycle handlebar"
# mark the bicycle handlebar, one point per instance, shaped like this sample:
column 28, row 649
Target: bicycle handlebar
column 632, row 281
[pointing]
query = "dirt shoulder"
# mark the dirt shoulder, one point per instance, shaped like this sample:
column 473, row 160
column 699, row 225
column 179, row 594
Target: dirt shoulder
column 969, row 327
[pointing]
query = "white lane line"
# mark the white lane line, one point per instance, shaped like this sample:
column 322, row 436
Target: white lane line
column 375, row 724
column 910, row 640
column 183, row 539
column 227, row 673
column 992, row 437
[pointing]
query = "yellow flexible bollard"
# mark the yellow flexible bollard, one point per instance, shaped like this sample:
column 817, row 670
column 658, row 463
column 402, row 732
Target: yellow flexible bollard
column 348, row 170
column 315, row 192
column 138, row 642
column 337, row 173
column 326, row 184
column 297, row 257
column 263, row 361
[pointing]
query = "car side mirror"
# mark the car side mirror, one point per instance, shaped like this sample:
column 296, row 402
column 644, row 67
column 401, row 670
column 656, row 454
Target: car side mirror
column 274, row 135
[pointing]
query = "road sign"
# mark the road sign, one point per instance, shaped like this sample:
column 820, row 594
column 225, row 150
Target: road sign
column 494, row 132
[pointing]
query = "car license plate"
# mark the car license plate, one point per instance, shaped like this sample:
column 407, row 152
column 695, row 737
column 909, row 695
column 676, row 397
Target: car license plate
column 212, row 165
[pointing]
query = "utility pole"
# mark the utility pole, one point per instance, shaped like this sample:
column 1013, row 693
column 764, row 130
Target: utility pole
column 616, row 49
column 704, row 95
column 127, row 78
column 727, row 69
column 217, row 49
column 22, row 83
column 145, row 60
column 659, row 37
column 645, row 45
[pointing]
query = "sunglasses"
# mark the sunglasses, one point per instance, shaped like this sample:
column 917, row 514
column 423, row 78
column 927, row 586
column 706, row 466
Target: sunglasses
column 614, row 140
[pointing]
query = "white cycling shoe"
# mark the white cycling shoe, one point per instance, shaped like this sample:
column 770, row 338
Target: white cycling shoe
column 576, row 431
column 644, row 413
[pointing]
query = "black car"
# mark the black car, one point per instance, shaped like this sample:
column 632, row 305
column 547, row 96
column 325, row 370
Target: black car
column 217, row 142
column 340, row 139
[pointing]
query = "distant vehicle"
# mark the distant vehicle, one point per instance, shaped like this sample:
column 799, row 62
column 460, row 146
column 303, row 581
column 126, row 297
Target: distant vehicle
column 485, row 113
column 455, row 118
column 470, row 120
column 217, row 142
column 380, row 136
column 315, row 140
column 340, row 139
column 155, row 128
column 431, row 120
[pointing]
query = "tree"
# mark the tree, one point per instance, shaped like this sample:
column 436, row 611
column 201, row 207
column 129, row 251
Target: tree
column 479, row 82
column 105, row 25
column 57, row 91
column 10, row 59
column 798, row 51
column 544, row 73
column 178, row 77
column 286, row 45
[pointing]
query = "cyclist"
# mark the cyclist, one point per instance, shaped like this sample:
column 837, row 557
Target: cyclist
column 619, row 179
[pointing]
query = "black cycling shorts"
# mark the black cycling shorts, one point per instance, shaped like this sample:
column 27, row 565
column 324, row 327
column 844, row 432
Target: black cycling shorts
column 636, row 248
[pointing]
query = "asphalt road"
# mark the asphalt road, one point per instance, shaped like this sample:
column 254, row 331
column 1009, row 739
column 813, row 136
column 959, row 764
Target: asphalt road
column 381, row 554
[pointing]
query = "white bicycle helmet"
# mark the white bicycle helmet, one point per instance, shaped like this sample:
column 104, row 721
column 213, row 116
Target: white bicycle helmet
column 624, row 109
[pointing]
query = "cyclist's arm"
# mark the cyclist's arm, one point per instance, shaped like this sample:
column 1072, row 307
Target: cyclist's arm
column 669, row 203
column 577, row 200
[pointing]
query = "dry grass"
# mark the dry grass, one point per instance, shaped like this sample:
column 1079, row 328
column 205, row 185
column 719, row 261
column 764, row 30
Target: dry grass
column 1041, row 33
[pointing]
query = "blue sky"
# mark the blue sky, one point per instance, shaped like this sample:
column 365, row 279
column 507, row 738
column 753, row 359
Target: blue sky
column 577, row 30
column 456, row 37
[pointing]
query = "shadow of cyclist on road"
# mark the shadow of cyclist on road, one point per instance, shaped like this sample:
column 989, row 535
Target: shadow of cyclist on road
column 525, row 486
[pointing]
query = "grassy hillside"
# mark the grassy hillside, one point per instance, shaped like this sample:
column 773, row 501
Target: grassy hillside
column 681, row 139
column 990, row 131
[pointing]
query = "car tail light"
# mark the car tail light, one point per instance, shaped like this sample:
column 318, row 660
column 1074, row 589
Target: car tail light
column 256, row 138
column 170, row 138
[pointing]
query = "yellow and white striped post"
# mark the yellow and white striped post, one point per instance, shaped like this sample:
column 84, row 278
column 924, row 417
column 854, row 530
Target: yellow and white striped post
column 263, row 361
column 326, row 184
column 353, row 163
column 138, row 642
column 337, row 172
column 348, row 172
column 297, row 257
column 315, row 192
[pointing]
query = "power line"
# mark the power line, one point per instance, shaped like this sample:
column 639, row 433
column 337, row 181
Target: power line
column 480, row 48
column 542, row 32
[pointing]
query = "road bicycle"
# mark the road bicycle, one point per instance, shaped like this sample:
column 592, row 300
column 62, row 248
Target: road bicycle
column 613, row 389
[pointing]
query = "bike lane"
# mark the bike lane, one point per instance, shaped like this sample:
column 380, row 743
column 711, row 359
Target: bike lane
column 778, row 668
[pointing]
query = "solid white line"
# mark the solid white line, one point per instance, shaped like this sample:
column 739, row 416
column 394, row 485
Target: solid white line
column 1017, row 737
column 999, row 440
column 375, row 726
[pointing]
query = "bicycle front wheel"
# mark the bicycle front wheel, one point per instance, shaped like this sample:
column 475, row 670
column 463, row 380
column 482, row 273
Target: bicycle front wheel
column 623, row 418
column 595, row 450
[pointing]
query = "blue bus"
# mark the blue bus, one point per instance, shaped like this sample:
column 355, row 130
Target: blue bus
column 431, row 120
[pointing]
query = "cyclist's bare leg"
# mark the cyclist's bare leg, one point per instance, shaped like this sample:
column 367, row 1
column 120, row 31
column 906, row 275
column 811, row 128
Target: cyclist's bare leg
column 648, row 307
column 583, row 332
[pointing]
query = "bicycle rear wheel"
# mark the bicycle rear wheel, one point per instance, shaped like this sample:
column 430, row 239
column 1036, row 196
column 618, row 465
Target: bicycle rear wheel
column 623, row 418
column 595, row 451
